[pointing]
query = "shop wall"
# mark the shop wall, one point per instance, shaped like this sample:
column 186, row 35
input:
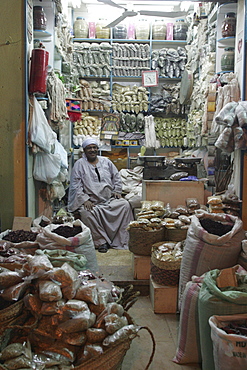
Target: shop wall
column 12, row 122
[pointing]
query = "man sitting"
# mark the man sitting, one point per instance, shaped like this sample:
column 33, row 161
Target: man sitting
column 95, row 191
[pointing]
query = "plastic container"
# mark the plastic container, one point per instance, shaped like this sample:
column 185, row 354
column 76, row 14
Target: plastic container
column 91, row 30
column 180, row 29
column 101, row 32
column 80, row 28
column 131, row 31
column 159, row 30
column 39, row 18
column 228, row 27
column 120, row 31
column 142, row 29
column 227, row 59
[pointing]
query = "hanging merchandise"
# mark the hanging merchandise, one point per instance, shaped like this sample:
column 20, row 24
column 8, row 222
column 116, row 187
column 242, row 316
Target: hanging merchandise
column 227, row 59
column 228, row 27
column 80, row 28
column 180, row 29
column 39, row 18
column 101, row 31
column 159, row 30
column 38, row 72
column 142, row 29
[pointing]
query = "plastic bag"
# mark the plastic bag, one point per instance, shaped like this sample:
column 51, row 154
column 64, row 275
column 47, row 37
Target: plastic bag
column 41, row 133
column 46, row 167
column 59, row 149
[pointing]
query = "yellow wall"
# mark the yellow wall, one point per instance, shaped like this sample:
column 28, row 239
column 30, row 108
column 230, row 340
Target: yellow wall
column 12, row 111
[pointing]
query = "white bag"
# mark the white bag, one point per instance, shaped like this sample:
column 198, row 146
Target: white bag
column 59, row 149
column 46, row 167
column 229, row 349
column 41, row 133
column 82, row 243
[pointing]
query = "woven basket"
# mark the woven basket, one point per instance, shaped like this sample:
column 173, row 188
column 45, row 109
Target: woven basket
column 11, row 312
column 163, row 272
column 110, row 359
column 141, row 241
column 175, row 235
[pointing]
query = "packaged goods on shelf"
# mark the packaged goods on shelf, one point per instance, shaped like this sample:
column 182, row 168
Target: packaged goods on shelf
column 130, row 59
column 170, row 131
column 169, row 62
column 167, row 100
column 130, row 98
column 92, row 59
column 95, row 95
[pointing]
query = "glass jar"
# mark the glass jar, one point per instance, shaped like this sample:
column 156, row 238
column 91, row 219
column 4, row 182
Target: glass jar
column 228, row 27
column 80, row 28
column 180, row 29
column 227, row 59
column 159, row 30
column 100, row 31
column 39, row 18
column 142, row 29
column 120, row 31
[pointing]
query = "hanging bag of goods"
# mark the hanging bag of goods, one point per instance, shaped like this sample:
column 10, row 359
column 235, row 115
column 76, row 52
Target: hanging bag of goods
column 165, row 262
column 213, row 241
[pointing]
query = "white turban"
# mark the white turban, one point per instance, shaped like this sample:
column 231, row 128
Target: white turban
column 89, row 141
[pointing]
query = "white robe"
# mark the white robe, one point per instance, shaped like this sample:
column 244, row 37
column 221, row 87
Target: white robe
column 110, row 217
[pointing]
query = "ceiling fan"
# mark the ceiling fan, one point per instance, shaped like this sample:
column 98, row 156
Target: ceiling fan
column 132, row 13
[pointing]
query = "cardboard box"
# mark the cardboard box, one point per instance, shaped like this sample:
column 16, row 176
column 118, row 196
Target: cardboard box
column 141, row 267
column 163, row 298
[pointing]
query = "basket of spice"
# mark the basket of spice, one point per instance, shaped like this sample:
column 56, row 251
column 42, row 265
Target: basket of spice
column 147, row 229
column 165, row 262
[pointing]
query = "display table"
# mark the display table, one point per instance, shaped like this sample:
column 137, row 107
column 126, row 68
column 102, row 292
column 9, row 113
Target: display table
column 173, row 192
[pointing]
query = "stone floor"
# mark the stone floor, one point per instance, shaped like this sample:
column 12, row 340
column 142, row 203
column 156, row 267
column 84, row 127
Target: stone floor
column 116, row 266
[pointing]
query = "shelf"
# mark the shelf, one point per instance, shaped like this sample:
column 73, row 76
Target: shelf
column 75, row 39
column 41, row 33
column 226, row 41
column 148, row 41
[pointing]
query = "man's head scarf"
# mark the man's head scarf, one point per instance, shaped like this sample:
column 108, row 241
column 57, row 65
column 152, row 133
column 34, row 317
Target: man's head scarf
column 89, row 141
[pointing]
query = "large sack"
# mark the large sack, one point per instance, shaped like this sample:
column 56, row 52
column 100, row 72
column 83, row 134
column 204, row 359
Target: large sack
column 204, row 251
column 229, row 349
column 188, row 348
column 215, row 301
column 82, row 243
column 242, row 258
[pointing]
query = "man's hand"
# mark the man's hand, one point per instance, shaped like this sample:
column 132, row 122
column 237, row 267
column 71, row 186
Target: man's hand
column 117, row 195
column 88, row 205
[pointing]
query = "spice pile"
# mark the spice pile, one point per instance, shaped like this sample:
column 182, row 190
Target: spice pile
column 19, row 236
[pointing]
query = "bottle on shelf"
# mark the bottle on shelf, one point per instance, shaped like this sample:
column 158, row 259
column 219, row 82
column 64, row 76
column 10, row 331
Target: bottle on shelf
column 227, row 59
column 142, row 29
column 80, row 28
column 159, row 30
column 120, row 31
column 100, row 31
column 39, row 18
column 228, row 27
column 180, row 29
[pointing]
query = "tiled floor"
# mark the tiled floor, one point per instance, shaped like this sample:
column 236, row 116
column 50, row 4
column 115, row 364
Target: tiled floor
column 116, row 266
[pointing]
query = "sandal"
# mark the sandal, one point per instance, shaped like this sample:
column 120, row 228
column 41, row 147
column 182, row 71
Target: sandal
column 103, row 248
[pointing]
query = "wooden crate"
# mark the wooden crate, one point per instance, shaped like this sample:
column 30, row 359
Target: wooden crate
column 163, row 298
column 141, row 267
column 173, row 192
